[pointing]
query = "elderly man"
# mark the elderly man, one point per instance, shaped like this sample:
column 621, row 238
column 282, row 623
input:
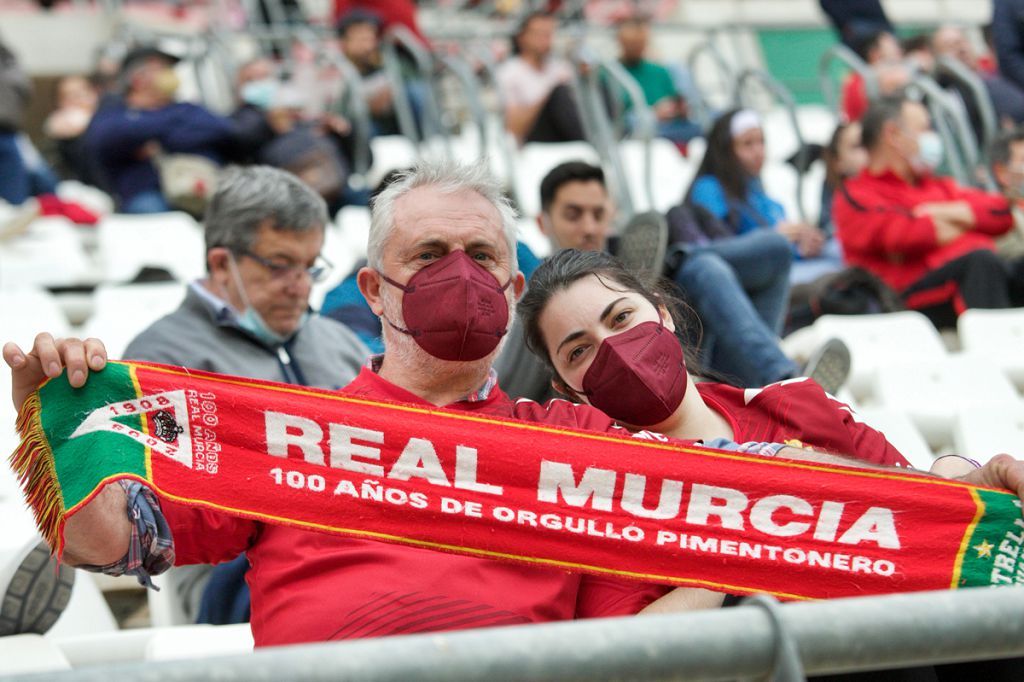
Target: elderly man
column 126, row 135
column 438, row 223
column 250, row 317
column 925, row 236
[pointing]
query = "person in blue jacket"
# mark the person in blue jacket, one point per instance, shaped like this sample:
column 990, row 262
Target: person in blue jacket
column 127, row 132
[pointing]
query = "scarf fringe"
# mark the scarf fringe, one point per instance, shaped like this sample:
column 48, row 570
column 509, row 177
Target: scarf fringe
column 33, row 463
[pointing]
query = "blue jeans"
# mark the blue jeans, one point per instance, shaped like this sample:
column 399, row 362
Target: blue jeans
column 148, row 201
column 15, row 179
column 740, row 289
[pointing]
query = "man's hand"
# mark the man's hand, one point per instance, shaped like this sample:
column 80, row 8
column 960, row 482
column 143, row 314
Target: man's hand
column 47, row 359
column 947, row 231
column 1002, row 471
column 808, row 239
column 958, row 212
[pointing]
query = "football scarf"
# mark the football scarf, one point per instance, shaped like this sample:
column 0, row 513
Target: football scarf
column 649, row 510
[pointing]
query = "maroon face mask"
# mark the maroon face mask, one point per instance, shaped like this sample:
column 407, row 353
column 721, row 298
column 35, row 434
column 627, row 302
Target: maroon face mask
column 639, row 376
column 454, row 309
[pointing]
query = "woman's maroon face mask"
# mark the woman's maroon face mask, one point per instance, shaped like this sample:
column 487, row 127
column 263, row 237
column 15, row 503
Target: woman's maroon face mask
column 639, row 376
column 454, row 309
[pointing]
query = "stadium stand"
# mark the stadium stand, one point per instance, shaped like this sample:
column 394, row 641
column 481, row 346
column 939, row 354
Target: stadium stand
column 930, row 393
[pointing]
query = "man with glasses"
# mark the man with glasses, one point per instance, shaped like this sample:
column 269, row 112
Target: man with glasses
column 250, row 317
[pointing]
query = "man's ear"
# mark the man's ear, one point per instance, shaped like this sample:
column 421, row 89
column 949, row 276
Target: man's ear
column 369, row 282
column 218, row 267
column 544, row 222
column 518, row 285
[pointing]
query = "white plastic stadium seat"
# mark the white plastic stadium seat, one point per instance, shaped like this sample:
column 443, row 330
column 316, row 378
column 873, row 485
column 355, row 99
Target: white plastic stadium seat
column 121, row 311
column 873, row 340
column 997, row 334
column 671, row 174
column 390, row 152
column 932, row 392
column 87, row 611
column 899, row 430
column 50, row 253
column 199, row 641
column 173, row 241
column 985, row 430
column 26, row 312
column 20, row 654
column 536, row 159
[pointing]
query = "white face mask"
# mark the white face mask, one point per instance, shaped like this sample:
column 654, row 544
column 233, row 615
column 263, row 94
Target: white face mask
column 251, row 321
column 930, row 151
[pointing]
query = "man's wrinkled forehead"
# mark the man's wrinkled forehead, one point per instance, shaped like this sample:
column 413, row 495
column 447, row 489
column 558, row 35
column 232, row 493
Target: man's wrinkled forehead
column 430, row 213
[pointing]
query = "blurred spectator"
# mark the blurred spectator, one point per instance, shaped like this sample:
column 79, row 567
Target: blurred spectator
column 656, row 81
column 77, row 100
column 128, row 134
column 539, row 106
column 390, row 13
column 311, row 149
column 256, row 85
column 854, row 20
column 1007, row 98
column 844, row 158
column 359, row 41
column 925, row 236
column 15, row 89
column 882, row 52
column 917, row 50
column 1007, row 158
column 739, row 287
column 1008, row 38
column 728, row 185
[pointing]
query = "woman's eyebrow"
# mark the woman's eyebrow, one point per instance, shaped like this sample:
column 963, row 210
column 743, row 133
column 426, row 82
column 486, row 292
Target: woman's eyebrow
column 608, row 310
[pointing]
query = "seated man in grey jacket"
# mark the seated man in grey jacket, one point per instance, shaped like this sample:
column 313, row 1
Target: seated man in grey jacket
column 250, row 317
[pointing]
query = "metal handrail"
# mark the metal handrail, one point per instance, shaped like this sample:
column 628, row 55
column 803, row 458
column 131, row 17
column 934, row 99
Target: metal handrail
column 699, row 106
column 597, row 128
column 849, row 58
column 400, row 36
column 506, row 146
column 942, row 112
column 960, row 73
column 829, row 636
column 358, row 113
column 785, row 97
column 645, row 124
column 471, row 89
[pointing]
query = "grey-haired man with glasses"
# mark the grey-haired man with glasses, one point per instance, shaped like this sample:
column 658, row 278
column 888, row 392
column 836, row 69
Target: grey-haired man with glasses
column 250, row 317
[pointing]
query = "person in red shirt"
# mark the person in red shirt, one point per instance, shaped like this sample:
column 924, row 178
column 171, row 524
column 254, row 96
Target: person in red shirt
column 610, row 342
column 926, row 236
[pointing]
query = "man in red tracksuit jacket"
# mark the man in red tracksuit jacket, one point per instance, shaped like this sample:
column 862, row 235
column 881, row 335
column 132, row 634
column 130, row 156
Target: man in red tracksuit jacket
column 925, row 236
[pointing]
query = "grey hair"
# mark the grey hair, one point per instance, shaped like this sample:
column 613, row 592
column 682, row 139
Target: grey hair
column 448, row 177
column 246, row 198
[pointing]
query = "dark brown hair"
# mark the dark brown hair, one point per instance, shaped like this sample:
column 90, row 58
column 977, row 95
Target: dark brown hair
column 566, row 267
column 720, row 160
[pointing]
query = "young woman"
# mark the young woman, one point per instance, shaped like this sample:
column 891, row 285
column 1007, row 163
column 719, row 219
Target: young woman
column 728, row 184
column 611, row 342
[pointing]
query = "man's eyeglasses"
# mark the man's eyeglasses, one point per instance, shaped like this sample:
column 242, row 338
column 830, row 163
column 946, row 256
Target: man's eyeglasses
column 282, row 270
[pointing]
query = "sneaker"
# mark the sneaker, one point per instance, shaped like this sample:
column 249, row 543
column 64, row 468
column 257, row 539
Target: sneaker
column 35, row 592
column 829, row 365
column 643, row 244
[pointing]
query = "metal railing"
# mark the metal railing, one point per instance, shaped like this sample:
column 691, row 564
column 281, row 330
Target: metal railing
column 950, row 121
column 699, row 105
column 753, row 640
column 850, row 59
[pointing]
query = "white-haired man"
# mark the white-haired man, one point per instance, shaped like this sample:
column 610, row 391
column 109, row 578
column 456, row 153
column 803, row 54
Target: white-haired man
column 437, row 224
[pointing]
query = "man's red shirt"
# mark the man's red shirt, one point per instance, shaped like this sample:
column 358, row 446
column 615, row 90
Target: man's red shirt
column 311, row 587
column 878, row 231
